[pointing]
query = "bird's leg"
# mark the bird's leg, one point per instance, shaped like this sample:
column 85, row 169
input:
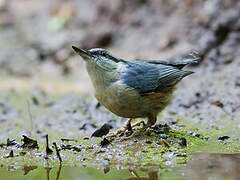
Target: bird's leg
column 138, row 124
column 128, row 125
column 151, row 121
column 125, row 128
column 121, row 130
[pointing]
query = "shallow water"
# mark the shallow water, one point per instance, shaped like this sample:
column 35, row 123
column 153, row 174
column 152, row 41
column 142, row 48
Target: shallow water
column 204, row 166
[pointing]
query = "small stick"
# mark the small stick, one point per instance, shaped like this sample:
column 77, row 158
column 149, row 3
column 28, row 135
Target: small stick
column 64, row 139
column 59, row 171
column 165, row 143
column 48, row 150
column 57, row 152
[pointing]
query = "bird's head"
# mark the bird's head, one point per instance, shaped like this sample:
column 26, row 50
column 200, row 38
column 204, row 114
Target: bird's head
column 95, row 55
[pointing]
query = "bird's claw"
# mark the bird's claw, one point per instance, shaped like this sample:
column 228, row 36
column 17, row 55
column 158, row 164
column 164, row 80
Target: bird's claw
column 135, row 133
column 127, row 130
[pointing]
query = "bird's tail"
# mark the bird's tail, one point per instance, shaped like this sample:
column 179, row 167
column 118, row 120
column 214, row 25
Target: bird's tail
column 187, row 61
column 186, row 73
column 193, row 59
column 190, row 60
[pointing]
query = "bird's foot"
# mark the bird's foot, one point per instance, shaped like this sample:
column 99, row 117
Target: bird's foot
column 137, row 133
column 120, row 131
column 134, row 134
column 127, row 129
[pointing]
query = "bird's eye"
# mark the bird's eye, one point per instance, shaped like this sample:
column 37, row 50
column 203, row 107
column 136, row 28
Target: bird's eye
column 100, row 53
column 103, row 53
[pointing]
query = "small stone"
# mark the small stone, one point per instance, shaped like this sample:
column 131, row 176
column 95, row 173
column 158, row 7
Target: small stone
column 11, row 142
column 183, row 142
column 223, row 138
column 104, row 130
column 29, row 143
column 10, row 154
column 148, row 142
column 105, row 142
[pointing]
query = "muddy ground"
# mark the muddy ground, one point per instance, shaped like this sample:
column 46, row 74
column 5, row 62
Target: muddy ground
column 45, row 88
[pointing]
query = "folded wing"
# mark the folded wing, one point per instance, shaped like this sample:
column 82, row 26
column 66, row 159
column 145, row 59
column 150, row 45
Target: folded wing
column 155, row 76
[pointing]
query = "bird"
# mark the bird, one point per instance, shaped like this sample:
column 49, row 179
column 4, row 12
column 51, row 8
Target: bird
column 133, row 88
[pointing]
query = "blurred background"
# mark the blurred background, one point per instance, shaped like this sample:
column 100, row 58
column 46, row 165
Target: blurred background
column 36, row 36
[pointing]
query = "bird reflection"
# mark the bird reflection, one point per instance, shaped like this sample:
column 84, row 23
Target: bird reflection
column 153, row 175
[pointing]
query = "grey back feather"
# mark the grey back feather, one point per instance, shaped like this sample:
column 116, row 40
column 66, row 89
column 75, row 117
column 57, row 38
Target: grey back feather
column 154, row 76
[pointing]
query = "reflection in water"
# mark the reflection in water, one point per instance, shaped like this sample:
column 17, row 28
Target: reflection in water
column 106, row 169
column 27, row 169
column 205, row 166
column 78, row 173
column 48, row 172
column 58, row 172
column 151, row 176
column 215, row 166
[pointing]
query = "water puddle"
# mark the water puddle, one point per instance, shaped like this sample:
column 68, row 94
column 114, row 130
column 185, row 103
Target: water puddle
column 203, row 166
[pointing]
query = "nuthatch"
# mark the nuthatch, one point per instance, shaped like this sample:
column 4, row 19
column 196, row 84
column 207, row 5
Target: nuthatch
column 135, row 88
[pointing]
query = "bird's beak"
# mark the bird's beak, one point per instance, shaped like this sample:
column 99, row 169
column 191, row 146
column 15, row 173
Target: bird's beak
column 84, row 54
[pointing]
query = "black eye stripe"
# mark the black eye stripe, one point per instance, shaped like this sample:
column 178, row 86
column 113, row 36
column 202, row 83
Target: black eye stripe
column 105, row 54
column 102, row 53
column 99, row 53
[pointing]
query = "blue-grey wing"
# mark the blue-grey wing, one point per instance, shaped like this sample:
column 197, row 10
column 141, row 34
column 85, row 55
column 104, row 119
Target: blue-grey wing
column 178, row 64
column 147, row 77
